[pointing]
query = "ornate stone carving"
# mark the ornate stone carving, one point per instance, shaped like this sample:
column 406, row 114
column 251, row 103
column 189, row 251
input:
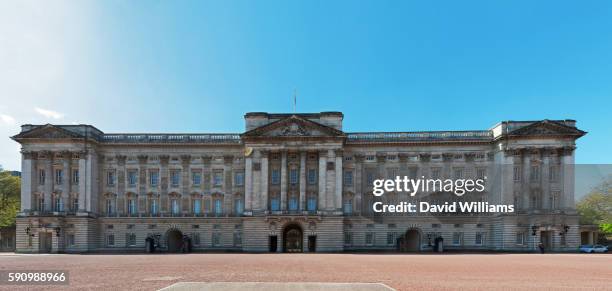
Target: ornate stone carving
column 447, row 157
column 294, row 129
column 120, row 160
column 142, row 158
column 425, row 157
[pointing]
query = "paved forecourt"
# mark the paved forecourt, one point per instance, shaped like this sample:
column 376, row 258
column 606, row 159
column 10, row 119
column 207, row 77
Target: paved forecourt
column 395, row 271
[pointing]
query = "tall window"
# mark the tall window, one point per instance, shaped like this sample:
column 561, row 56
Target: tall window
column 348, row 178
column 75, row 204
column 109, row 207
column 153, row 178
column 274, row 203
column 535, row 173
column 175, row 177
column 554, row 199
column 218, row 207
column 59, row 176
column 131, row 239
column 275, row 177
column 312, row 176
column 293, row 203
column 132, row 178
column 517, row 173
column 132, row 206
column 479, row 238
column 41, row 177
column 41, row 203
column 110, row 240
column 391, row 238
column 75, row 177
column 239, row 178
column 370, row 177
column 154, row 206
column 520, row 238
column 293, row 176
column 348, row 206
column 218, row 178
column 312, row 203
column 175, row 206
column 553, row 174
column 197, row 206
column 58, row 204
column 457, row 238
column 196, row 178
column 238, row 206
column 110, row 178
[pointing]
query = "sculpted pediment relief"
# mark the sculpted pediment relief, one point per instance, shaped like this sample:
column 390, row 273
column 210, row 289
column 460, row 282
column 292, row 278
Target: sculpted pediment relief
column 48, row 132
column 293, row 126
column 547, row 128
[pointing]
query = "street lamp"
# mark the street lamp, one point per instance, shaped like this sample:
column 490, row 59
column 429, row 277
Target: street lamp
column 534, row 228
column 57, row 231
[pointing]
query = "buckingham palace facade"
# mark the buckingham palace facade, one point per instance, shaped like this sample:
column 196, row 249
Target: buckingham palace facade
column 290, row 183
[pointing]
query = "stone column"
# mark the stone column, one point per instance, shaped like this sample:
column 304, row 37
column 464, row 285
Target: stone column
column 228, row 189
column 248, row 184
column 66, row 166
column 283, row 180
column 27, row 177
column 142, row 180
column 82, row 181
column 568, row 178
column 545, row 180
column 339, row 178
column 49, row 177
column 359, row 158
column 264, row 180
column 322, row 179
column 303, row 181
column 526, row 179
column 164, row 174
column 185, row 185
column 92, row 181
column 120, row 181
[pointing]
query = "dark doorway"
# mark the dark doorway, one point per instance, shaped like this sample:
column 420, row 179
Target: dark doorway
column 44, row 244
column 292, row 239
column 546, row 239
column 273, row 243
column 412, row 241
column 175, row 241
column 312, row 243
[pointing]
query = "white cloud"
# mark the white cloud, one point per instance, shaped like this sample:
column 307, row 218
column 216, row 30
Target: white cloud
column 7, row 119
column 49, row 113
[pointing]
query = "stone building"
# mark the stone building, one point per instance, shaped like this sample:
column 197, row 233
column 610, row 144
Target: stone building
column 290, row 183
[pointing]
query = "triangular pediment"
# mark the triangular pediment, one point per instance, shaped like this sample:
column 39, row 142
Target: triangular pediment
column 547, row 128
column 47, row 131
column 293, row 126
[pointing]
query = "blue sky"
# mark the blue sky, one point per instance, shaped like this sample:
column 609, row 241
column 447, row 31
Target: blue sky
column 198, row 66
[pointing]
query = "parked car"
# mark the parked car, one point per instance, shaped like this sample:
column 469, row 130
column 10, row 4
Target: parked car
column 593, row 249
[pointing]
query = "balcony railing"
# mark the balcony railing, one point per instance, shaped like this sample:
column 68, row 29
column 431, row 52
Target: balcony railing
column 484, row 135
column 222, row 138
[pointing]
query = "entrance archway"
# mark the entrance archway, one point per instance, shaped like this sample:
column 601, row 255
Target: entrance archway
column 293, row 238
column 412, row 241
column 175, row 240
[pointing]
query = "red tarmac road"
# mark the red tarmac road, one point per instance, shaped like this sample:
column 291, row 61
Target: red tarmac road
column 399, row 271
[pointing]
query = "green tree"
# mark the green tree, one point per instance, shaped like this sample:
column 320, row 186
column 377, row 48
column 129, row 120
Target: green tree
column 596, row 207
column 10, row 194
